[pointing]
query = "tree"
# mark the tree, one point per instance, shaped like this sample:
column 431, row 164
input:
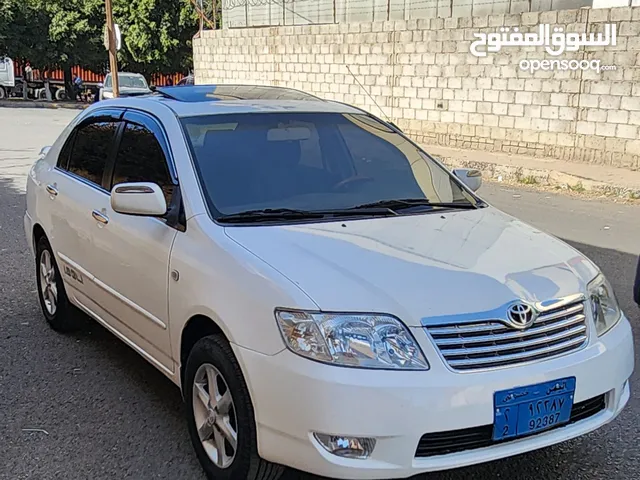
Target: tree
column 52, row 34
column 75, row 34
column 156, row 34
column 64, row 33
column 75, row 30
column 21, row 27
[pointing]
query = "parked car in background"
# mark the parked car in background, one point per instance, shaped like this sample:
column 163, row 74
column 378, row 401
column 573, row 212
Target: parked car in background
column 129, row 85
column 326, row 294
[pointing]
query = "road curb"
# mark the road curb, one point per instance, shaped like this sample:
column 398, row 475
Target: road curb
column 542, row 177
column 37, row 104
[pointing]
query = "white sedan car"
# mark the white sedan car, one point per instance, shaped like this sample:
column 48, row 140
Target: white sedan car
column 129, row 85
column 327, row 295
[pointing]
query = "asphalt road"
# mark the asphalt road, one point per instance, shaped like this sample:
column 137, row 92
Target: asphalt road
column 87, row 407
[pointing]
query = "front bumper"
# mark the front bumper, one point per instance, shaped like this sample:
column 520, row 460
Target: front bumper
column 294, row 397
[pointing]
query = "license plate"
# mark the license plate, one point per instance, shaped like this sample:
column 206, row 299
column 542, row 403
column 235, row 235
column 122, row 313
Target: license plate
column 525, row 410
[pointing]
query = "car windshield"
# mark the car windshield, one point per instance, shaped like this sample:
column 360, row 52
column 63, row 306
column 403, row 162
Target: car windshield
column 311, row 162
column 128, row 81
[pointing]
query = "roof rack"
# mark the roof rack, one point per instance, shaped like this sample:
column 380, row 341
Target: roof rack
column 213, row 93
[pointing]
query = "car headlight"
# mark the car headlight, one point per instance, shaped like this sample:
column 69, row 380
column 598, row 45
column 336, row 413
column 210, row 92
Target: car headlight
column 604, row 305
column 352, row 340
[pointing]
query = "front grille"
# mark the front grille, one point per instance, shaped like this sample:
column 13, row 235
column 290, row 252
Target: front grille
column 442, row 443
column 490, row 343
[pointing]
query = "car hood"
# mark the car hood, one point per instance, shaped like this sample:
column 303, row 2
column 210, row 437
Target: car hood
column 419, row 267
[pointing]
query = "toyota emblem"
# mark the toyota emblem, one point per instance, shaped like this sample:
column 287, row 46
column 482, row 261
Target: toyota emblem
column 521, row 315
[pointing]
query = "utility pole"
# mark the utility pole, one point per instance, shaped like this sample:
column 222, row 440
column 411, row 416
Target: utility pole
column 113, row 59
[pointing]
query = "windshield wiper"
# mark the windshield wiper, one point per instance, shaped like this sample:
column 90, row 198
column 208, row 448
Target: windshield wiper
column 293, row 214
column 397, row 204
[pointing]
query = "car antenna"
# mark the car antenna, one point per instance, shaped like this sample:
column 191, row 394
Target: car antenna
column 369, row 95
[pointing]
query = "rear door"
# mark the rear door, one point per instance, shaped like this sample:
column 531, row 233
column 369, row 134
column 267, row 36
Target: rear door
column 76, row 182
column 131, row 253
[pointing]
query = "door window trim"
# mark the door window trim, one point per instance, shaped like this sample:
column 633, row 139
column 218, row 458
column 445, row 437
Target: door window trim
column 65, row 152
column 110, row 114
column 147, row 120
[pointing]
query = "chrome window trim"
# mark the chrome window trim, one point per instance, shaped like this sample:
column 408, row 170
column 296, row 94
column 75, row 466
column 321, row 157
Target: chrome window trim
column 82, row 180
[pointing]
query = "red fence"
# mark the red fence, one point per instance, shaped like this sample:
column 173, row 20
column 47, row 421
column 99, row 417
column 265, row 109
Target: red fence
column 92, row 77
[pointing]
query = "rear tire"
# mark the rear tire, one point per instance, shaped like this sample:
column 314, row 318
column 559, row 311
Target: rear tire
column 60, row 314
column 3, row 93
column 212, row 361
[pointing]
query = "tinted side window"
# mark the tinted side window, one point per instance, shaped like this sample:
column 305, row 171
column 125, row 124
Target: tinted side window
column 91, row 149
column 65, row 152
column 141, row 159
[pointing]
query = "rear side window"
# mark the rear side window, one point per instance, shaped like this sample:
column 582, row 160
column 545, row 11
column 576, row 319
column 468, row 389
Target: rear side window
column 91, row 147
column 141, row 159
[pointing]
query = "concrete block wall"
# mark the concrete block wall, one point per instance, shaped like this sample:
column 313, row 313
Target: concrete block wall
column 421, row 75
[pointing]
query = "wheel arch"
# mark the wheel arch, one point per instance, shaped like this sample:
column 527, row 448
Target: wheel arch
column 197, row 327
column 36, row 234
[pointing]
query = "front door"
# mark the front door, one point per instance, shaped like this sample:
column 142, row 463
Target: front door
column 131, row 253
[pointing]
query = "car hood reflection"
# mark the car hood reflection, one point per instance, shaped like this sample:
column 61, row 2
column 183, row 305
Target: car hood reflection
column 421, row 266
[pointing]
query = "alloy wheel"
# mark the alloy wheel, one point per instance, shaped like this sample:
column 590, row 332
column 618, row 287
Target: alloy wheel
column 215, row 415
column 48, row 284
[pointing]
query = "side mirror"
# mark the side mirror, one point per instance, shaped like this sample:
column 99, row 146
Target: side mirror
column 100, row 85
column 472, row 178
column 44, row 151
column 152, row 88
column 138, row 199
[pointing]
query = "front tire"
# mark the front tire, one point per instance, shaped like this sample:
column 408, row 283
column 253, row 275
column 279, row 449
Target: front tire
column 220, row 415
column 60, row 314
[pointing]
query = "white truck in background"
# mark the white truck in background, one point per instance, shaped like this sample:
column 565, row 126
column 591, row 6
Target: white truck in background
column 7, row 77
column 36, row 88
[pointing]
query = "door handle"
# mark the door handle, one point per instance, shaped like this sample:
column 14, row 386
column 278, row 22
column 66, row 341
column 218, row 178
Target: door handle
column 99, row 216
column 51, row 190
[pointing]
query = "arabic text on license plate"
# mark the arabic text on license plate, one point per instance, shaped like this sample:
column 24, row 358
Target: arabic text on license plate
column 525, row 410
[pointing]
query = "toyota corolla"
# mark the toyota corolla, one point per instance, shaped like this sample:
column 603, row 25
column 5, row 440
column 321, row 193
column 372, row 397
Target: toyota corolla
column 326, row 295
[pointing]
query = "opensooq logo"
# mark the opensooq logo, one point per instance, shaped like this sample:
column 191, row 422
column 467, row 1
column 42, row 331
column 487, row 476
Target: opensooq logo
column 555, row 43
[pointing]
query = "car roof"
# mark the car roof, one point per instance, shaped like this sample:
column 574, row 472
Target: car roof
column 197, row 100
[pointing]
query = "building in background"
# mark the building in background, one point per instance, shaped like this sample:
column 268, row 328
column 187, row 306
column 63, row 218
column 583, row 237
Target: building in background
column 254, row 13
